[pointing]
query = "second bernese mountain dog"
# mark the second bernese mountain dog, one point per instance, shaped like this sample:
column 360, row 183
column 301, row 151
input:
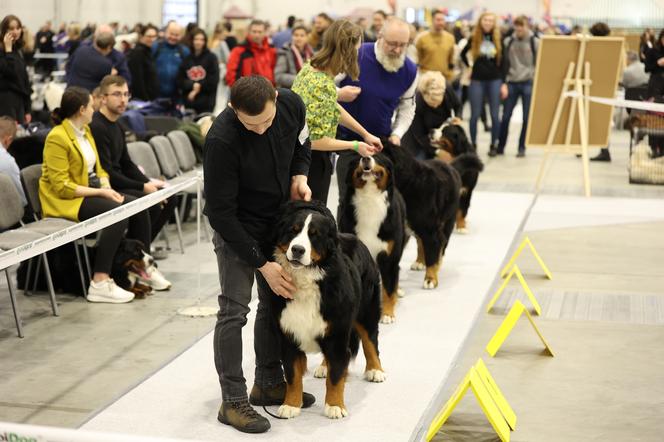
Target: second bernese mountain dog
column 374, row 210
column 457, row 150
column 336, row 304
column 129, row 263
column 431, row 191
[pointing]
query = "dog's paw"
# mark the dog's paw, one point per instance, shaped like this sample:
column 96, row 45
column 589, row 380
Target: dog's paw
column 462, row 230
column 387, row 319
column 430, row 284
column 418, row 266
column 335, row 412
column 400, row 292
column 321, row 371
column 288, row 412
column 375, row 375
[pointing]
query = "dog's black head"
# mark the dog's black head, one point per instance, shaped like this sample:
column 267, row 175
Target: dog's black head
column 131, row 257
column 454, row 140
column 306, row 234
column 376, row 170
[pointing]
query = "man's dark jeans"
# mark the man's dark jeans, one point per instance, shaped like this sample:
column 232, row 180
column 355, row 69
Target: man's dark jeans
column 525, row 91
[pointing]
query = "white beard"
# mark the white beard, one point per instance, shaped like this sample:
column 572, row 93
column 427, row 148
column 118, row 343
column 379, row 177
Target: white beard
column 390, row 64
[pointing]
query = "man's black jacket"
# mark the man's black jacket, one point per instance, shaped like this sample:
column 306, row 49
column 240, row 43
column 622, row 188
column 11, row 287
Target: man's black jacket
column 248, row 176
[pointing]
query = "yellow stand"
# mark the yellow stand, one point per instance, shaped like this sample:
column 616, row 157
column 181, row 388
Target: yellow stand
column 491, row 400
column 515, row 271
column 508, row 324
column 512, row 260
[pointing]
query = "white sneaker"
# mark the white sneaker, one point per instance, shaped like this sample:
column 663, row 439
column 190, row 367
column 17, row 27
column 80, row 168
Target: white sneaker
column 108, row 291
column 157, row 280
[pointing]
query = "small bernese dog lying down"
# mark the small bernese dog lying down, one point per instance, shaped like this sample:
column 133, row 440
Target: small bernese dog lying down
column 374, row 210
column 131, row 261
column 457, row 150
column 336, row 304
column 431, row 191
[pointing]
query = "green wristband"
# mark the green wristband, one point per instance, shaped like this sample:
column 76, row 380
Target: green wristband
column 356, row 146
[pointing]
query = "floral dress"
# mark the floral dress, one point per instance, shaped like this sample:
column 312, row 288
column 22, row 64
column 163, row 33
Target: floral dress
column 319, row 94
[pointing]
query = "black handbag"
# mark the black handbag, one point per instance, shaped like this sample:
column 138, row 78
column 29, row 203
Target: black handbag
column 94, row 181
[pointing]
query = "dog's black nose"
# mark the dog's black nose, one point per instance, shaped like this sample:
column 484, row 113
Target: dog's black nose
column 366, row 163
column 297, row 251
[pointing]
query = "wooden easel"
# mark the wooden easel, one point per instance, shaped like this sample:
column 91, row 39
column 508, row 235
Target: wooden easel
column 576, row 80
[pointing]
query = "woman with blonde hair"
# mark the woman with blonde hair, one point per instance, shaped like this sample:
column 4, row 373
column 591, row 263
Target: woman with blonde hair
column 486, row 78
column 435, row 103
column 315, row 85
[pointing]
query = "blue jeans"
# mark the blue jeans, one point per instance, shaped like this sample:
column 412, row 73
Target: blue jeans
column 478, row 91
column 524, row 90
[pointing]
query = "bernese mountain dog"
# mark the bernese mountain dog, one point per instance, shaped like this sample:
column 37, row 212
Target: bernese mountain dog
column 336, row 304
column 431, row 191
column 456, row 149
column 374, row 210
column 130, row 262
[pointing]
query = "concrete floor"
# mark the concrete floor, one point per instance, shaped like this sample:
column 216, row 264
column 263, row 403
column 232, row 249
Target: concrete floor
column 605, row 382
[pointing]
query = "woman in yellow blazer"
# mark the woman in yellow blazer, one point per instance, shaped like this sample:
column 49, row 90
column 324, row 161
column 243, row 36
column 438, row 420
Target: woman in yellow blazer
column 73, row 185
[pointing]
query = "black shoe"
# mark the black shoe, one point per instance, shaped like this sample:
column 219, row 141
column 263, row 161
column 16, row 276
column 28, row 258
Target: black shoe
column 603, row 155
column 493, row 151
column 520, row 154
column 275, row 396
column 241, row 416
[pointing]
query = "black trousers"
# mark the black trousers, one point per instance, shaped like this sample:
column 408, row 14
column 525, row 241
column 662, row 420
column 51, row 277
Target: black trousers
column 159, row 213
column 138, row 227
column 320, row 175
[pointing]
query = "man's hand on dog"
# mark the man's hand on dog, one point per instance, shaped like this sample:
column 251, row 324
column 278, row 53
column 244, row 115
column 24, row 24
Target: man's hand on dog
column 300, row 189
column 278, row 279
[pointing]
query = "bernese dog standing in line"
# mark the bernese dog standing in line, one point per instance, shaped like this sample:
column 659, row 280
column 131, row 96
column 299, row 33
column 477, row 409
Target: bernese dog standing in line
column 336, row 304
column 431, row 191
column 374, row 210
column 457, row 150
column 129, row 263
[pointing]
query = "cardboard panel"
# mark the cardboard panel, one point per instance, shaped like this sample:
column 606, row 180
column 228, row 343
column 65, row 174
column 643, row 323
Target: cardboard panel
column 605, row 55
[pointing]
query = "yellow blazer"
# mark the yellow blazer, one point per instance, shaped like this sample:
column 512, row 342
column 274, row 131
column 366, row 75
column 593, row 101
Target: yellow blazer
column 63, row 169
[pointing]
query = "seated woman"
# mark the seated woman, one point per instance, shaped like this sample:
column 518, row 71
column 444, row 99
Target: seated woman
column 434, row 105
column 74, row 186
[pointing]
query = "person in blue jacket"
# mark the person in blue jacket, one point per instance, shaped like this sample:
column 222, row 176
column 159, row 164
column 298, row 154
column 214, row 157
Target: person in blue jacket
column 168, row 55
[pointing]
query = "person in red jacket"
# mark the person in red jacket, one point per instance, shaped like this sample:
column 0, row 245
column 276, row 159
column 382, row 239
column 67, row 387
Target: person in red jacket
column 255, row 57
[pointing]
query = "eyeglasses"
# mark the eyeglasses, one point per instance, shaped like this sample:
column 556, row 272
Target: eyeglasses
column 119, row 94
column 395, row 44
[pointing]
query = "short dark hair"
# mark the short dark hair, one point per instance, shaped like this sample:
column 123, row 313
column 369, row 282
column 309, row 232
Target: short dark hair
column 380, row 12
column 72, row 100
column 435, row 12
column 257, row 23
column 145, row 28
column 105, row 40
column 521, row 20
column 250, row 94
column 7, row 127
column 111, row 80
column 600, row 29
column 291, row 21
column 300, row 27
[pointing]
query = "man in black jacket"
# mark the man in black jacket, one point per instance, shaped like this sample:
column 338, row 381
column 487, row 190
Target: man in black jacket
column 257, row 157
column 124, row 175
column 144, row 85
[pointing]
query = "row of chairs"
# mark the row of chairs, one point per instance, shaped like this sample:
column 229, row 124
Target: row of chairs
column 171, row 157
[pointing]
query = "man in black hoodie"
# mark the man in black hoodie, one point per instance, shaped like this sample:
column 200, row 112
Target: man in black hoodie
column 257, row 157
column 144, row 85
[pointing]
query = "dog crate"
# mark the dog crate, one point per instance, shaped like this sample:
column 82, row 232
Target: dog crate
column 646, row 149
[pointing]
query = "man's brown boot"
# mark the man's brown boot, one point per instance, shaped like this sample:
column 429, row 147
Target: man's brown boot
column 241, row 416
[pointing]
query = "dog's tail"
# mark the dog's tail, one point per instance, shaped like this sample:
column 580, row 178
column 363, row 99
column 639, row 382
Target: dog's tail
column 468, row 162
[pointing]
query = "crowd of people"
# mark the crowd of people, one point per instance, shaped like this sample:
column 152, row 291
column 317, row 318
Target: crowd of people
column 315, row 94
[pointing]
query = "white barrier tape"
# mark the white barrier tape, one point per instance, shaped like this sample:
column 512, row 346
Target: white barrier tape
column 34, row 433
column 619, row 102
column 26, row 251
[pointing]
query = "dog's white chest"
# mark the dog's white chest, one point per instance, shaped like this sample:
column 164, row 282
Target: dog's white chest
column 370, row 211
column 301, row 317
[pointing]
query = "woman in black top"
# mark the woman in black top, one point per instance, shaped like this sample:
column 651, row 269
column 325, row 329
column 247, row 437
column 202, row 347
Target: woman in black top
column 198, row 75
column 144, row 80
column 15, row 87
column 435, row 103
column 485, row 80
column 655, row 65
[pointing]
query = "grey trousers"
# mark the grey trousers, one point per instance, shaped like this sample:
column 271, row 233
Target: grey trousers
column 237, row 279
